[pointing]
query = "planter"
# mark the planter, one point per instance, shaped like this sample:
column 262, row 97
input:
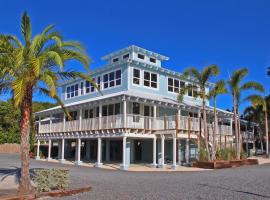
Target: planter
column 236, row 163
column 218, row 164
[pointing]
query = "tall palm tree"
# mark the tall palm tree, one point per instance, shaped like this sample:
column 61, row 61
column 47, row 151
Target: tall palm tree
column 218, row 89
column 237, row 87
column 260, row 101
column 202, row 78
column 35, row 65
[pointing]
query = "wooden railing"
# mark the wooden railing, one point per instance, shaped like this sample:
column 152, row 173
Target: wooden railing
column 132, row 121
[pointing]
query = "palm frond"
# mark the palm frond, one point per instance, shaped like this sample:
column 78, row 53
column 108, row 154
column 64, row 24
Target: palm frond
column 252, row 85
column 26, row 28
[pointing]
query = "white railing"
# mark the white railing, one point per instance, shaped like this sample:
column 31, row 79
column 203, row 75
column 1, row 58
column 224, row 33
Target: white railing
column 132, row 121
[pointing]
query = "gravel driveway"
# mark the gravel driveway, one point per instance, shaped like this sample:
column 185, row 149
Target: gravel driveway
column 252, row 182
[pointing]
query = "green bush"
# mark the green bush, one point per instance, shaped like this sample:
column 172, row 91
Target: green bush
column 51, row 179
column 223, row 154
column 243, row 155
column 203, row 155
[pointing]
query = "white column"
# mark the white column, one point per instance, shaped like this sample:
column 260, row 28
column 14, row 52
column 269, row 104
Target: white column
column 155, row 116
column 100, row 116
column 49, row 150
column 162, row 164
column 38, row 145
column 154, row 164
column 174, row 153
column 187, row 151
column 78, row 146
column 124, row 155
column 64, row 122
column 231, row 125
column 39, row 123
column 125, row 113
column 63, row 151
column 107, row 150
column 99, row 153
column 50, row 123
column 179, row 152
column 80, row 119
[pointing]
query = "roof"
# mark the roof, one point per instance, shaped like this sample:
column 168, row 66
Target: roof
column 135, row 49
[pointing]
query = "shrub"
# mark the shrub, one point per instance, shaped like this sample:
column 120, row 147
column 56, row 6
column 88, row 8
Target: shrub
column 243, row 155
column 223, row 154
column 203, row 155
column 233, row 155
column 50, row 179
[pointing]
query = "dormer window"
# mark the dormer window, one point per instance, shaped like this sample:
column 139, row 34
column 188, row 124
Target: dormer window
column 115, row 60
column 153, row 60
column 126, row 56
column 140, row 56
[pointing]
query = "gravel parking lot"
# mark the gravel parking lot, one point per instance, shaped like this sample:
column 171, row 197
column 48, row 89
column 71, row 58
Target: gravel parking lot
column 252, row 182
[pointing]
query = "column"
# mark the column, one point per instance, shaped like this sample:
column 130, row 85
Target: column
column 100, row 116
column 39, row 123
column 50, row 123
column 64, row 121
column 80, row 119
column 38, row 146
column 87, row 150
column 78, row 152
column 162, row 164
column 231, row 126
column 125, row 113
column 187, row 151
column 154, row 164
column 99, row 153
column 174, row 153
column 107, row 150
column 62, row 160
column 49, row 149
column 124, row 165
column 179, row 152
column 155, row 116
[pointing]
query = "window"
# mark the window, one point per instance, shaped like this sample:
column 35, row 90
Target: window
column 73, row 115
column 148, row 111
column 150, row 79
column 89, row 87
column 115, row 59
column 174, row 85
column 81, row 88
column 98, row 81
column 136, row 76
column 140, row 56
column 126, row 56
column 195, row 90
column 153, row 60
column 112, row 79
column 88, row 114
column 190, row 90
column 111, row 109
column 136, row 108
column 97, row 111
column 72, row 91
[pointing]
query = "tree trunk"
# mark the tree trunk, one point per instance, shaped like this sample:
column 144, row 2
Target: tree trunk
column 236, row 127
column 266, row 134
column 206, row 132
column 214, row 132
column 25, row 186
column 240, row 139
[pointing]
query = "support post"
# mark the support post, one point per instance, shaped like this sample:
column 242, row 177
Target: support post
column 78, row 151
column 125, row 113
column 154, row 164
column 155, row 117
column 50, row 123
column 107, row 150
column 63, row 151
column 64, row 122
column 38, row 146
column 80, row 119
column 124, row 165
column 49, row 149
column 174, row 153
column 162, row 164
column 100, row 117
column 99, row 153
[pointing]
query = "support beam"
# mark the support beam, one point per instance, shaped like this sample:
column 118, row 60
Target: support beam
column 174, row 153
column 179, row 152
column 78, row 151
column 62, row 160
column 162, row 164
column 99, row 153
column 124, row 165
column 154, row 164
column 125, row 113
column 187, row 151
column 49, row 150
column 38, row 146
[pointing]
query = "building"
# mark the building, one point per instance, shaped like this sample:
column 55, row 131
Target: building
column 137, row 118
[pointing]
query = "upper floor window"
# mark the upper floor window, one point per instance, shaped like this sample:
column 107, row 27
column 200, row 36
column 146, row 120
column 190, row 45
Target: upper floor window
column 116, row 59
column 89, row 87
column 136, row 76
column 98, row 82
column 192, row 90
column 153, row 60
column 126, row 56
column 72, row 91
column 73, row 115
column 174, row 85
column 111, row 109
column 82, row 88
column 140, row 56
column 112, row 79
column 150, row 79
column 89, row 114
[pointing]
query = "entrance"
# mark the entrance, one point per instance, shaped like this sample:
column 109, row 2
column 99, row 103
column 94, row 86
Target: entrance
column 115, row 150
column 138, row 150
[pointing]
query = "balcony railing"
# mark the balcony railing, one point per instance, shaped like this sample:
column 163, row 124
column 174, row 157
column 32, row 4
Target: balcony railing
column 131, row 122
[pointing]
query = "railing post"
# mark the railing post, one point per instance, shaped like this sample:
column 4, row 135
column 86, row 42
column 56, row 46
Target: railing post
column 154, row 117
column 50, row 123
column 99, row 117
column 80, row 119
column 64, row 122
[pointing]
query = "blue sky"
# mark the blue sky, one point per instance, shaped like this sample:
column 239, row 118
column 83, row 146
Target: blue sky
column 229, row 33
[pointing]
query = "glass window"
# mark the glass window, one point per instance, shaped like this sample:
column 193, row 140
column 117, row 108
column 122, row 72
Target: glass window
column 150, row 79
column 89, row 87
column 136, row 108
column 112, row 79
column 98, row 81
column 153, row 60
column 174, row 85
column 104, row 110
column 190, row 90
column 115, row 59
column 140, row 56
column 170, row 85
column 118, row 77
column 146, row 110
column 81, row 88
column 73, row 115
column 105, row 81
column 72, row 91
column 117, row 109
column 111, row 109
column 97, row 111
column 136, row 76
column 126, row 56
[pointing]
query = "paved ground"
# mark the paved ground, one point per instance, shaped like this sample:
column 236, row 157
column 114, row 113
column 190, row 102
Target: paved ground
column 252, row 182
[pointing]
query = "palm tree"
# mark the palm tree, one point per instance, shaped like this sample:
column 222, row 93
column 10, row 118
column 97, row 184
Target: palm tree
column 35, row 65
column 260, row 101
column 236, row 89
column 217, row 90
column 202, row 79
